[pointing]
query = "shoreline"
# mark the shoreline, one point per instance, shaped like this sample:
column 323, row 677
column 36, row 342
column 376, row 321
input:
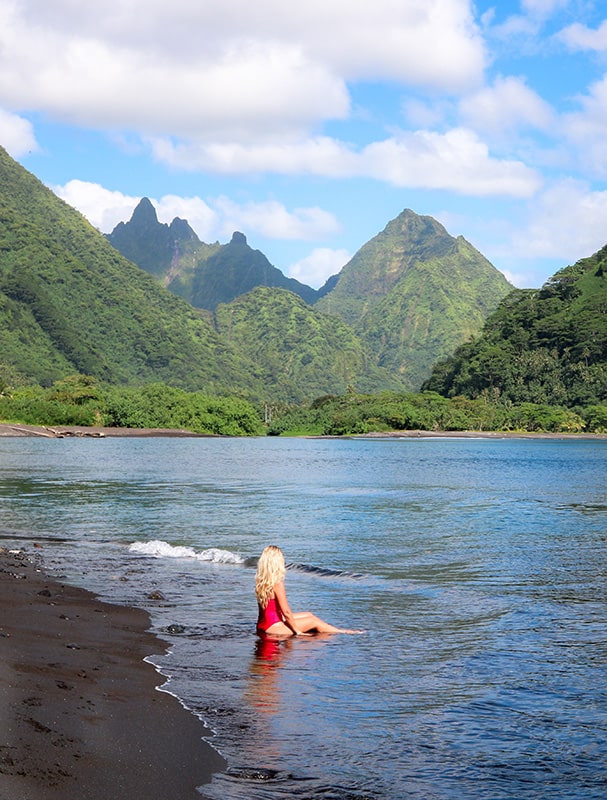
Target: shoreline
column 475, row 435
column 74, row 431
column 80, row 431
column 82, row 713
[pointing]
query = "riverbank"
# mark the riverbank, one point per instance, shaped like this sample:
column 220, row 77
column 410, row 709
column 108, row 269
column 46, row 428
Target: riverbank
column 67, row 431
column 73, row 431
column 81, row 715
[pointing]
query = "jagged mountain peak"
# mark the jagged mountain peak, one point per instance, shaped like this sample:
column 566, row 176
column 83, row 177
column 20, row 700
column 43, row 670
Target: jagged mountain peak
column 144, row 212
column 414, row 292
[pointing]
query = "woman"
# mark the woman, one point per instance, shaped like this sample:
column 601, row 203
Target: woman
column 275, row 615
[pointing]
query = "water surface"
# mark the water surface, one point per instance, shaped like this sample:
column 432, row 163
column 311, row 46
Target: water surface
column 478, row 568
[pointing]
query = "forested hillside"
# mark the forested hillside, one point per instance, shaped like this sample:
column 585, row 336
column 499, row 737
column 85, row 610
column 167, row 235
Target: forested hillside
column 411, row 295
column 542, row 346
column 414, row 293
column 298, row 348
column 69, row 302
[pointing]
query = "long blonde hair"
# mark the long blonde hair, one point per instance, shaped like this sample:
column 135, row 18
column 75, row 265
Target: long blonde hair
column 270, row 570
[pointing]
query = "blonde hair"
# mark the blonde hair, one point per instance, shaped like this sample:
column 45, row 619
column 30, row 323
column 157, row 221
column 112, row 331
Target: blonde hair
column 270, row 570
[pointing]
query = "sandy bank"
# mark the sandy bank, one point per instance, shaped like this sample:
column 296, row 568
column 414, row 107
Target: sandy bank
column 81, row 716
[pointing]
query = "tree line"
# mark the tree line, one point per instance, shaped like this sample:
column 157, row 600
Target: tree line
column 80, row 400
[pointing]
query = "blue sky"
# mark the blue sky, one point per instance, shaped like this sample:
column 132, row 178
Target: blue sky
column 309, row 125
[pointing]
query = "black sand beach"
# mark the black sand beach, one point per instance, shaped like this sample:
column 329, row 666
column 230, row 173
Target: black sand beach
column 80, row 714
column 66, row 431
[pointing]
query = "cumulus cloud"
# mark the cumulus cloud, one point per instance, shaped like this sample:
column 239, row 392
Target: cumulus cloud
column 566, row 221
column 273, row 220
column 586, row 128
column 321, row 264
column 102, row 207
column 16, row 134
column 543, row 8
column 456, row 160
column 580, row 37
column 505, row 106
column 213, row 219
column 220, row 69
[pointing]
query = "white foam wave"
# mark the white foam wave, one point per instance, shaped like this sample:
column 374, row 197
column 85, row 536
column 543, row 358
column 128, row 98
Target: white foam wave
column 160, row 549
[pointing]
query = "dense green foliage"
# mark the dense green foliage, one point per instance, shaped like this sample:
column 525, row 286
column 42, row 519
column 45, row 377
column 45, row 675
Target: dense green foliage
column 302, row 351
column 79, row 400
column 427, row 411
column 544, row 346
column 414, row 293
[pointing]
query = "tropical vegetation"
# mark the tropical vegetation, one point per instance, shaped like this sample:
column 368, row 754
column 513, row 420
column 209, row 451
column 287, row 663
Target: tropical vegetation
column 81, row 401
column 544, row 346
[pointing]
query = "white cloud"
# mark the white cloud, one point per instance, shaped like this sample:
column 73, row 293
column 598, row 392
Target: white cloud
column 16, row 134
column 505, row 106
column 457, row 160
column 580, row 37
column 203, row 219
column 566, row 221
column 212, row 220
column 543, row 8
column 587, row 128
column 273, row 220
column 317, row 156
column 102, row 207
column 226, row 68
column 386, row 40
column 321, row 264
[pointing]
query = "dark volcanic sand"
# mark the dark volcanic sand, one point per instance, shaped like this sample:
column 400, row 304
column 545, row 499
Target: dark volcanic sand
column 80, row 717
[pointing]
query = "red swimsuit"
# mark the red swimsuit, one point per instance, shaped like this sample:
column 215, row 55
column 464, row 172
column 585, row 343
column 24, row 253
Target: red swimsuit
column 268, row 615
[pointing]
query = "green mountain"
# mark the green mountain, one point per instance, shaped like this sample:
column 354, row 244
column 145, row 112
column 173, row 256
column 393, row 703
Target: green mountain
column 234, row 269
column 203, row 274
column 545, row 345
column 69, row 302
column 168, row 252
column 303, row 351
column 414, row 293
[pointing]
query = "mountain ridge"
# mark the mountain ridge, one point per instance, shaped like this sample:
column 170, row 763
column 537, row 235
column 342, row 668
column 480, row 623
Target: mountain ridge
column 71, row 303
column 413, row 293
column 203, row 274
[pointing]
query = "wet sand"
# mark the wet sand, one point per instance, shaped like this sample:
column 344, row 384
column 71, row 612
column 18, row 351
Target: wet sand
column 80, row 715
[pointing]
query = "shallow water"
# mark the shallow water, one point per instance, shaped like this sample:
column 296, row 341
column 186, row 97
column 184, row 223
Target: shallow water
column 478, row 568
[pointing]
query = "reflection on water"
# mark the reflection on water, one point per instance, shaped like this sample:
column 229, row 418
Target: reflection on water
column 263, row 691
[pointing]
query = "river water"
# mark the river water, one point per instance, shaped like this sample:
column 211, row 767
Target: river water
column 478, row 568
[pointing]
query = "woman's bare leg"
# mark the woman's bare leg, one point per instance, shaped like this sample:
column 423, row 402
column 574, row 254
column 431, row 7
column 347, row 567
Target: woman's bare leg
column 306, row 622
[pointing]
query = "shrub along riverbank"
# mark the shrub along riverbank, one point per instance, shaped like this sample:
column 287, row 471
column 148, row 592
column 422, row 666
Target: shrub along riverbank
column 81, row 401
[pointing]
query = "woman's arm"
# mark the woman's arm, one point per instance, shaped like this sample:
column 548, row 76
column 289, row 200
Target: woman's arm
column 281, row 598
